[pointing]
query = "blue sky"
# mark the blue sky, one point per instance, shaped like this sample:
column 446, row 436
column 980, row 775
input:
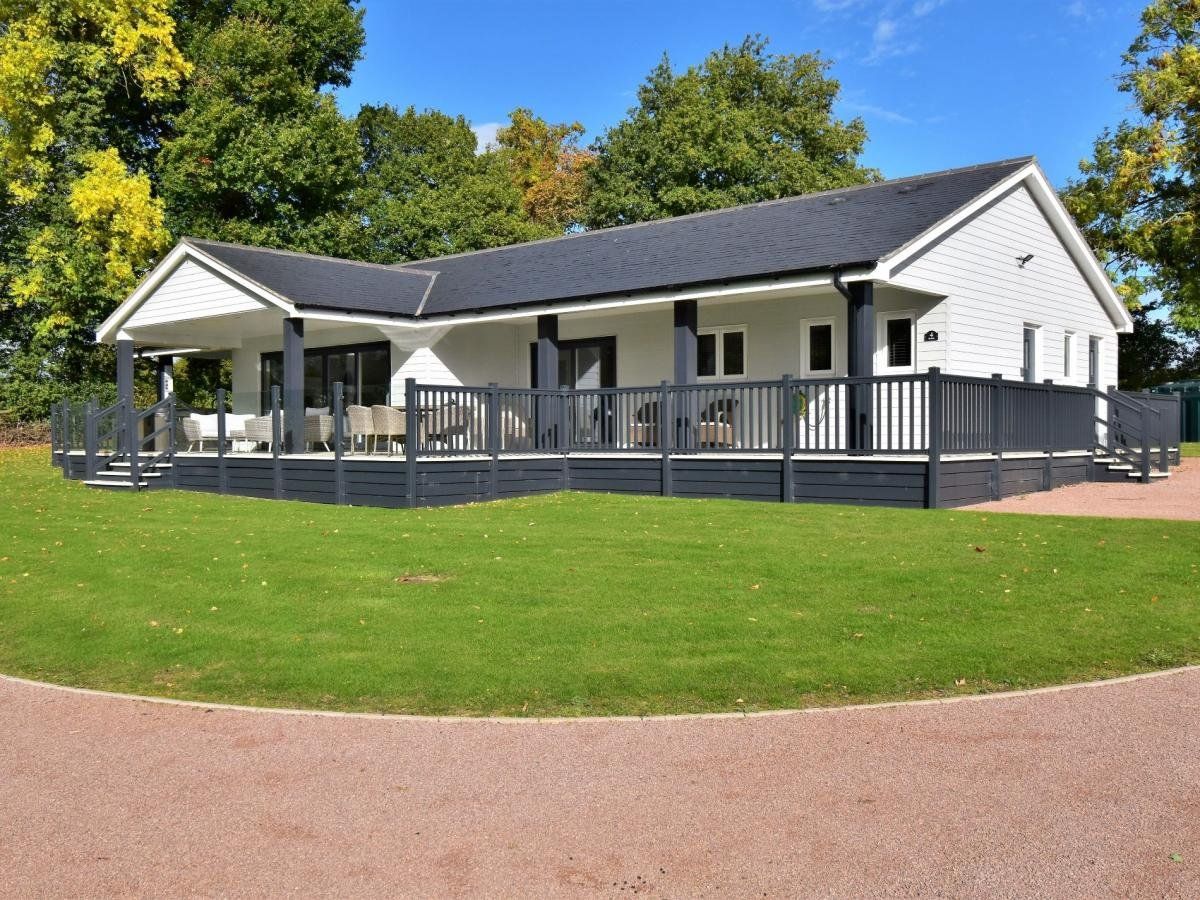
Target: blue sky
column 940, row 83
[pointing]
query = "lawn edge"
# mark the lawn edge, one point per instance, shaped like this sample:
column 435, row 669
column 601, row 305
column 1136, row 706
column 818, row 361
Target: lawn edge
column 593, row 720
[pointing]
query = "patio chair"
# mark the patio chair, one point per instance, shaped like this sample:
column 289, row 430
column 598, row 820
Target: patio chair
column 258, row 430
column 317, row 430
column 516, row 431
column 643, row 426
column 389, row 422
column 361, row 422
column 448, row 422
column 190, row 429
column 715, row 428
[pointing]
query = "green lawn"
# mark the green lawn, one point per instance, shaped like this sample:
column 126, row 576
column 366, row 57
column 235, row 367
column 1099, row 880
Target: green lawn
column 574, row 603
column 1190, row 449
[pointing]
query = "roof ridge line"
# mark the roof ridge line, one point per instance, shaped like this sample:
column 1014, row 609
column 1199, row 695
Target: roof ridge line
column 432, row 260
column 387, row 267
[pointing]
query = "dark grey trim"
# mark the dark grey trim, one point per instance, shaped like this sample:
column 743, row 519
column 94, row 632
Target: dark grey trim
column 687, row 320
column 293, row 383
column 861, row 352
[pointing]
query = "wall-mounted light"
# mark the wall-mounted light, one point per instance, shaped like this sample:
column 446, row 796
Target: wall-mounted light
column 1022, row 260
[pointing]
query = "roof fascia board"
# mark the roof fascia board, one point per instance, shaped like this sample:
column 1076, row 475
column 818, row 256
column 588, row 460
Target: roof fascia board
column 1077, row 246
column 1032, row 177
column 729, row 291
column 889, row 264
column 166, row 267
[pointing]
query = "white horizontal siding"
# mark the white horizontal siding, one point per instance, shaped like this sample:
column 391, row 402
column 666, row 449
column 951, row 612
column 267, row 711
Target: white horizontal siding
column 991, row 297
column 192, row 292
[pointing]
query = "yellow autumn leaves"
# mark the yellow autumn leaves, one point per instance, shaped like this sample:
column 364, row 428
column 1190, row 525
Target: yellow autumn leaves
column 134, row 36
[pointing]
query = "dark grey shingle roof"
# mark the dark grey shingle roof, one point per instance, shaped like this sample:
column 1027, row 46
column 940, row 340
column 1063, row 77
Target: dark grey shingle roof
column 813, row 232
column 323, row 282
column 809, row 233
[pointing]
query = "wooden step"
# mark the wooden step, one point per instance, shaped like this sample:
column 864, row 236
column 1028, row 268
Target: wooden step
column 1152, row 475
column 108, row 484
column 111, row 473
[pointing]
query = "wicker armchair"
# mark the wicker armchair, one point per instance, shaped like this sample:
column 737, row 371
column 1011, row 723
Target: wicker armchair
column 516, row 431
column 448, row 422
column 389, row 422
column 643, row 426
column 716, row 424
column 258, row 430
column 361, row 422
column 317, row 430
column 190, row 429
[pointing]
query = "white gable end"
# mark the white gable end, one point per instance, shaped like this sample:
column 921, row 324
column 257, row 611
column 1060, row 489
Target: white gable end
column 991, row 297
column 192, row 292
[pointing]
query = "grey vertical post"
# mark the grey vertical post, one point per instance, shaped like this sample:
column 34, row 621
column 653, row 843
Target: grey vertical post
column 55, row 433
column 1145, row 429
column 1051, row 421
column 934, row 474
column 547, row 378
column 135, row 445
column 222, row 468
column 276, row 441
column 493, row 439
column 1164, row 459
column 125, row 371
column 125, row 392
column 663, row 428
column 997, row 439
column 862, row 363
column 90, row 450
column 687, row 319
column 165, row 377
column 293, row 383
column 339, row 435
column 65, row 432
column 412, row 438
column 788, row 439
column 173, row 471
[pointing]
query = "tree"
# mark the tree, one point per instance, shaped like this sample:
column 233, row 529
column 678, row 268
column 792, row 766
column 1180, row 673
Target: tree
column 547, row 166
column 260, row 153
column 79, row 85
column 424, row 192
column 1138, row 200
column 1156, row 351
column 741, row 127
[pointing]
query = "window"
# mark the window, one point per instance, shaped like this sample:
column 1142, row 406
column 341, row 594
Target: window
column 895, row 342
column 585, row 364
column 1094, row 362
column 1029, row 342
column 365, row 371
column 1069, row 355
column 721, row 352
column 816, row 353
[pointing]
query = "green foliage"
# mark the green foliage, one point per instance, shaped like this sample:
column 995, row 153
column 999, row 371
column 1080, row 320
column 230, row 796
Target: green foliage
column 424, row 192
column 1157, row 351
column 546, row 163
column 1138, row 199
column 574, row 604
column 741, row 127
column 261, row 155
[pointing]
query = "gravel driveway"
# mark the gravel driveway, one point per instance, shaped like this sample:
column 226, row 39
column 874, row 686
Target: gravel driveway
column 1080, row 793
column 1177, row 497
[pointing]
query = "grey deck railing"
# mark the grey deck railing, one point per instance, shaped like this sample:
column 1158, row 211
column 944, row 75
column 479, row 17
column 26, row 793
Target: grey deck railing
column 923, row 414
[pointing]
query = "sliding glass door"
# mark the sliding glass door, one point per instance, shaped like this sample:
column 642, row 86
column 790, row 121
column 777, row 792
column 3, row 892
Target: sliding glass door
column 365, row 370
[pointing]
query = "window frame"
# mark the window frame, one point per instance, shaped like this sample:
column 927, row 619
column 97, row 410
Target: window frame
column 719, row 331
column 1070, row 349
column 323, row 352
column 881, row 341
column 1035, row 371
column 806, row 326
column 1097, row 342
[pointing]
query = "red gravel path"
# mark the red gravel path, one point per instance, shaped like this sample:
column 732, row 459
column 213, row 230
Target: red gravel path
column 1079, row 793
column 1177, row 497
